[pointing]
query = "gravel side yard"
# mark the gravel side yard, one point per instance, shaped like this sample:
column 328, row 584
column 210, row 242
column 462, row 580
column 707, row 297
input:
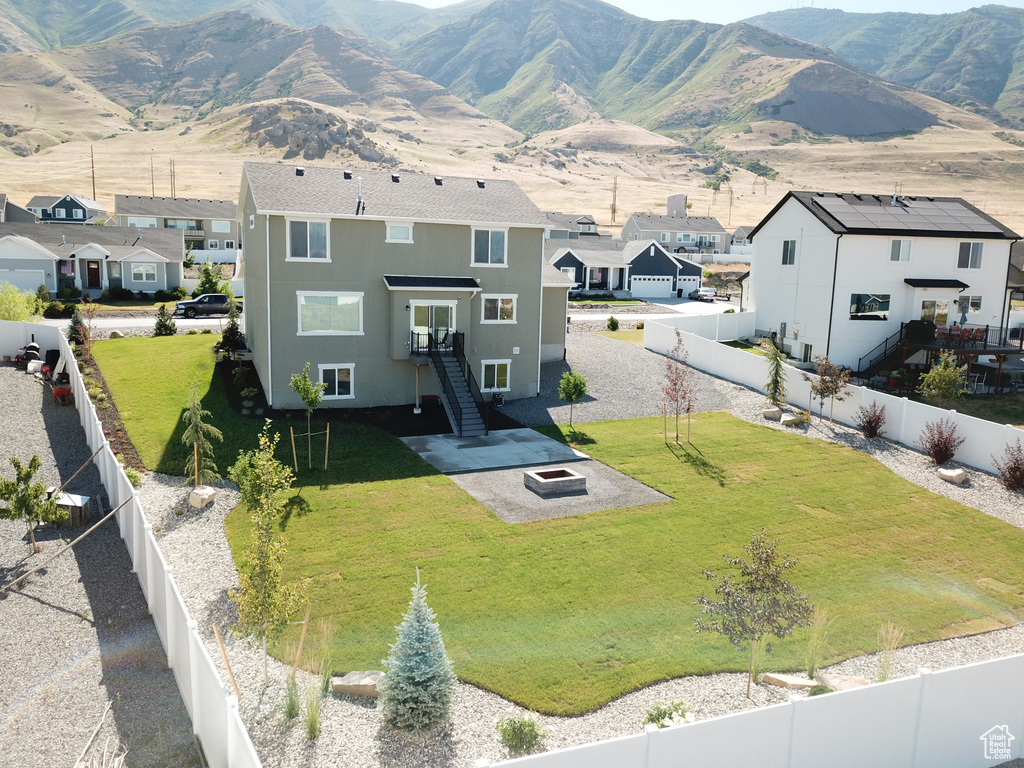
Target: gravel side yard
column 77, row 635
column 353, row 732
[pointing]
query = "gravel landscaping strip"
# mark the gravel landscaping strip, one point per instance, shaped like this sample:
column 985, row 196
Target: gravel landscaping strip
column 353, row 732
column 77, row 635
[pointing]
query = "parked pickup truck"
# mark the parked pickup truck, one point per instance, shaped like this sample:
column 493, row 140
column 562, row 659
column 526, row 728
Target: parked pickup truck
column 207, row 304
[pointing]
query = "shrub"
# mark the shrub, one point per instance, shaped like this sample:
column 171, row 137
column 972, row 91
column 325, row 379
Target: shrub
column 640, row 325
column 291, row 698
column 729, row 311
column 42, row 298
column 163, row 295
column 817, row 690
column 939, row 440
column 1011, row 467
column 521, row 734
column 192, row 332
column 206, row 330
column 816, row 641
column 313, row 700
column 164, row 326
column 869, row 420
column 613, row 324
column 119, row 293
column 889, row 638
column 134, row 476
column 664, row 715
column 58, row 310
column 70, row 292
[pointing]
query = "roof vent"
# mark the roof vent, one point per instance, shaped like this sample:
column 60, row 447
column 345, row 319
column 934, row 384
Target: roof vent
column 480, row 183
column 300, row 171
column 347, row 174
column 394, row 178
column 438, row 180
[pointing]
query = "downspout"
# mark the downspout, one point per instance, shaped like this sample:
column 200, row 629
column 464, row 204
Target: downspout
column 540, row 314
column 832, row 307
column 1004, row 316
column 270, row 350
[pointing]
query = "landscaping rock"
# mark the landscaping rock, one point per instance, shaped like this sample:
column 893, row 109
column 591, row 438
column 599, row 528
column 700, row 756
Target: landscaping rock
column 116, row 335
column 795, row 682
column 843, row 682
column 792, row 419
column 358, row 683
column 201, row 496
column 958, row 476
column 772, row 413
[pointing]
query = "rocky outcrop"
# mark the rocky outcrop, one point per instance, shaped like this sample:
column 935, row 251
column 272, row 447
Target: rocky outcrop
column 309, row 132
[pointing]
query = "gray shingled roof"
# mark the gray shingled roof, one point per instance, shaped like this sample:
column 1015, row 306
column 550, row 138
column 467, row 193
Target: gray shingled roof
column 697, row 224
column 66, row 239
column 323, row 191
column 43, row 201
column 175, row 207
column 552, row 277
column 591, row 257
column 48, row 201
column 862, row 214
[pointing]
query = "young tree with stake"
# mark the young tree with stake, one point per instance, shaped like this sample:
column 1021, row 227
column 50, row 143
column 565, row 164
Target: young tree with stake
column 572, row 388
column 680, row 387
column 757, row 602
column 775, row 387
column 197, row 434
column 312, row 394
column 830, row 385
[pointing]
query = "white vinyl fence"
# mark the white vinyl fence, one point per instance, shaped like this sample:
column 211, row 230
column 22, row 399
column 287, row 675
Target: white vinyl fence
column 956, row 717
column 904, row 418
column 214, row 712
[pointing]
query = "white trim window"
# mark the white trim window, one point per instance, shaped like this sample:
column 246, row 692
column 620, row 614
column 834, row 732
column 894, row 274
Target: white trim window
column 900, row 250
column 338, row 381
column 213, row 245
column 495, row 375
column 327, row 313
column 496, row 308
column 398, row 233
column 77, row 213
column 143, row 273
column 788, row 252
column 970, row 256
column 973, row 303
column 220, row 226
column 114, row 268
column 142, row 222
column 229, row 245
column 60, row 213
column 666, row 237
column 490, row 248
column 308, row 240
column 569, row 272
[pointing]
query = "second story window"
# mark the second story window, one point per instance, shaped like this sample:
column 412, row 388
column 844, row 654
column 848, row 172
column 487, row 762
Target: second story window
column 142, row 222
column 489, row 248
column 499, row 309
column 399, row 233
column 77, row 213
column 221, row 226
column 900, row 250
column 788, row 252
column 59, row 213
column 970, row 256
column 307, row 240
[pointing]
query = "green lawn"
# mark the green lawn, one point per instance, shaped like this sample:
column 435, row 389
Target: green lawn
column 633, row 337
column 564, row 615
column 1007, row 408
column 745, row 347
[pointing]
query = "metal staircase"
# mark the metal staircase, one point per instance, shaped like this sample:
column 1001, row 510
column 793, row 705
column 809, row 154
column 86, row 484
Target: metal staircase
column 460, row 394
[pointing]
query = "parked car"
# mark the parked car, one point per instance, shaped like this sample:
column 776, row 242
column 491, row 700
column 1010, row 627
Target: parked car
column 207, row 304
column 703, row 294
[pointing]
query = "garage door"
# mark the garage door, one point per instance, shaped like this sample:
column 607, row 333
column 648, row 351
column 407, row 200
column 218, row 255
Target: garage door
column 654, row 286
column 689, row 284
column 24, row 279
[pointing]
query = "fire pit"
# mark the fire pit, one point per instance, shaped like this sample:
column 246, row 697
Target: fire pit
column 554, row 482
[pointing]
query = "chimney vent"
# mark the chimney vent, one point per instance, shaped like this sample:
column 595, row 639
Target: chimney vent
column 438, row 180
column 480, row 183
column 300, row 171
column 394, row 178
column 347, row 174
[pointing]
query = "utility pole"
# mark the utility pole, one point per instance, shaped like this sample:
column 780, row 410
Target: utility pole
column 92, row 156
column 615, row 195
column 729, row 223
column 152, row 177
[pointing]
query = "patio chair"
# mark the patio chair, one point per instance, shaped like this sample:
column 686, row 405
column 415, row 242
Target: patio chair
column 978, row 337
column 965, row 337
column 978, row 383
column 942, row 334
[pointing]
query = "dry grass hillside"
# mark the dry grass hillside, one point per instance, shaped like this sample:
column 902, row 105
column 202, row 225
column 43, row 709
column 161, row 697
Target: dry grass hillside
column 573, row 169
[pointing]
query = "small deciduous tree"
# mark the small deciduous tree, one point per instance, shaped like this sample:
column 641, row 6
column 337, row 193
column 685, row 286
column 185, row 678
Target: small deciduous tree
column 264, row 602
column 755, row 603
column 775, row 386
column 165, row 325
column 312, row 394
column 417, row 690
column 572, row 388
column 197, row 434
column 16, row 304
column 25, row 500
column 830, row 385
column 680, row 387
column 945, row 381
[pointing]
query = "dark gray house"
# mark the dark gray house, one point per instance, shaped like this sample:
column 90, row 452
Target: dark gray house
column 639, row 268
column 66, row 209
column 11, row 212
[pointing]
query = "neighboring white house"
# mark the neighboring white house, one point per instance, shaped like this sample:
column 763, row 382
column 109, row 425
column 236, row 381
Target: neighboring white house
column 836, row 274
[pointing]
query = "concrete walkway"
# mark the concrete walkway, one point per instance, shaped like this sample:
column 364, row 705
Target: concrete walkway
column 500, row 449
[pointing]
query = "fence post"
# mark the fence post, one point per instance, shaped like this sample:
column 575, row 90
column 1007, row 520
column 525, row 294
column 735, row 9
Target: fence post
column 233, row 719
column 794, row 698
column 193, row 676
column 169, row 619
column 924, row 673
column 649, row 730
column 903, row 419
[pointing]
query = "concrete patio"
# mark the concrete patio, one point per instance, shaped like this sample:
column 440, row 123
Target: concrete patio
column 501, row 449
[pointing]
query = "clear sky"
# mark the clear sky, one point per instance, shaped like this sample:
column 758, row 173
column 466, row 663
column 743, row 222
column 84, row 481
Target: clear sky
column 725, row 11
